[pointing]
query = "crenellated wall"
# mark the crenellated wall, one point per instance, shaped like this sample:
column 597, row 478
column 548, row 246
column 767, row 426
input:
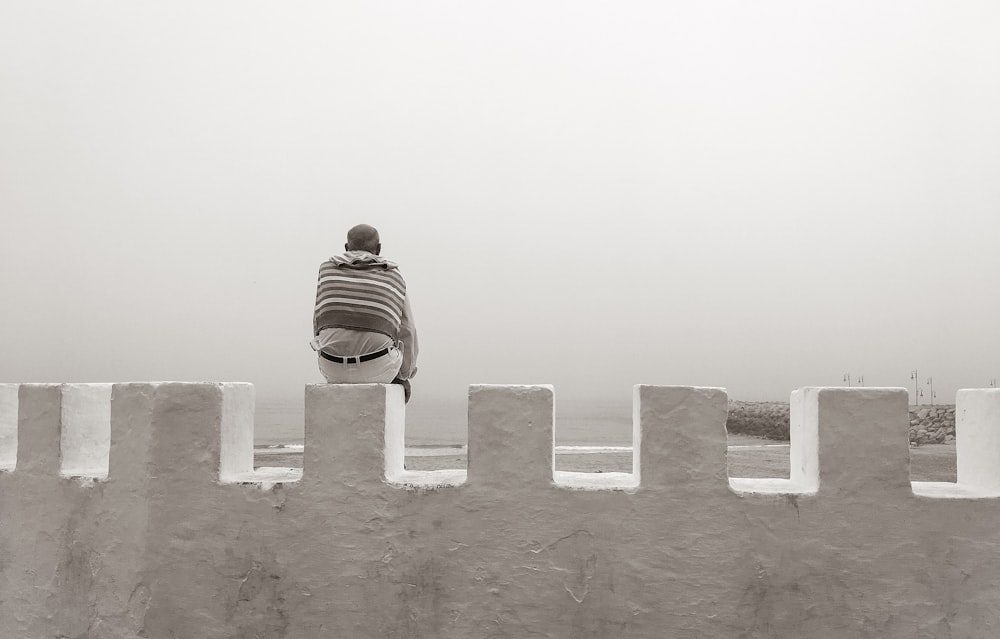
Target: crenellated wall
column 134, row 511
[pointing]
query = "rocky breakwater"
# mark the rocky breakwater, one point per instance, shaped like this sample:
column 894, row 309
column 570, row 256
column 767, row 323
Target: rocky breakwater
column 758, row 419
column 928, row 424
column 932, row 424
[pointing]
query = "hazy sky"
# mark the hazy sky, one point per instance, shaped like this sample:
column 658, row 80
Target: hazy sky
column 754, row 195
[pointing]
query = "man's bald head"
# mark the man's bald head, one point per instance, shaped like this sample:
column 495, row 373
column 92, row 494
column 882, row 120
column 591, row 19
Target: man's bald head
column 363, row 238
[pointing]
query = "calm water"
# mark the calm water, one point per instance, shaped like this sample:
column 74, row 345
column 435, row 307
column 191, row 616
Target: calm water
column 429, row 423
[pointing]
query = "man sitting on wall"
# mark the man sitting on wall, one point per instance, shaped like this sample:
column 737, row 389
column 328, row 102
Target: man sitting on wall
column 362, row 323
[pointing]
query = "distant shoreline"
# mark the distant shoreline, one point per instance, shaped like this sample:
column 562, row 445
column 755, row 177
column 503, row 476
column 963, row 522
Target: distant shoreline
column 746, row 457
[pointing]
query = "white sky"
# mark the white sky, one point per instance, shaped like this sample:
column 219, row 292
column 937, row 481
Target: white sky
column 755, row 195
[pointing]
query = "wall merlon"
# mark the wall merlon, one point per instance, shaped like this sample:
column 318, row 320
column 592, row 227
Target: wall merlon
column 131, row 432
column 682, row 438
column 185, row 444
column 353, row 435
column 977, row 439
column 863, row 444
column 511, row 436
column 803, row 453
column 85, row 432
column 39, row 409
column 236, row 434
column 8, row 427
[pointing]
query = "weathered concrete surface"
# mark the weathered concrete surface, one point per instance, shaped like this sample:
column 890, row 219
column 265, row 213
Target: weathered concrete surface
column 511, row 438
column 236, row 455
column 85, row 430
column 8, row 426
column 163, row 549
column 977, row 443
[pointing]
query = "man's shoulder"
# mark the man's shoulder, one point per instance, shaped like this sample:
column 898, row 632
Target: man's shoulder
column 360, row 260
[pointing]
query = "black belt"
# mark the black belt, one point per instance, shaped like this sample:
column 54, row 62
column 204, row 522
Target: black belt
column 355, row 359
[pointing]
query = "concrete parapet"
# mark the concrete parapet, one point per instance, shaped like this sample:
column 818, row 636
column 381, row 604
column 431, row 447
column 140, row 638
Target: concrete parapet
column 353, row 435
column 85, row 431
column 508, row 423
column 172, row 543
column 977, row 439
column 682, row 438
column 803, row 451
column 862, row 440
column 236, row 437
column 39, row 408
column 8, row 427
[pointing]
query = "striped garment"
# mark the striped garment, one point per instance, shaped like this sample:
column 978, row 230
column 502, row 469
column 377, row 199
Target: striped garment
column 362, row 291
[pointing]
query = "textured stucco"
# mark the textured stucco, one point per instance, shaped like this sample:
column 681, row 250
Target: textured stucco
column 85, row 430
column 8, row 426
column 164, row 547
column 977, row 443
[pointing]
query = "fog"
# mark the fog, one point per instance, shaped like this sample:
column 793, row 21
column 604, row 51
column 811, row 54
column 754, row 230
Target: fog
column 758, row 196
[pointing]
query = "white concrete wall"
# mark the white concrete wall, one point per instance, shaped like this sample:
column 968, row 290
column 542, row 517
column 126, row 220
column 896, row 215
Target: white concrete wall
column 8, row 427
column 803, row 452
column 977, row 439
column 361, row 548
column 85, row 430
column 511, row 436
column 236, row 435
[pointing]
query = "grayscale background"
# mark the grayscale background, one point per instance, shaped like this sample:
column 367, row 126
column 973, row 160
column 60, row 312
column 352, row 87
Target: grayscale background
column 758, row 196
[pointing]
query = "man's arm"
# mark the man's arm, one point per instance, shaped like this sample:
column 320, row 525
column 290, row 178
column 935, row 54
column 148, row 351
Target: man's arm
column 408, row 335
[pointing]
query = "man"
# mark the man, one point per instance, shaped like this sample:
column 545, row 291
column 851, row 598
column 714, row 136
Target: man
column 362, row 322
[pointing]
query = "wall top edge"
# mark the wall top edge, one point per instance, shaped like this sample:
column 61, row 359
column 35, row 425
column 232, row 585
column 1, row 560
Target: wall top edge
column 101, row 384
column 855, row 389
column 215, row 384
column 351, row 385
column 682, row 387
column 148, row 383
column 548, row 387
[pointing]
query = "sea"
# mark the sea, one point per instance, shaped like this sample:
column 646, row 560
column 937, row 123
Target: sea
column 590, row 436
column 429, row 423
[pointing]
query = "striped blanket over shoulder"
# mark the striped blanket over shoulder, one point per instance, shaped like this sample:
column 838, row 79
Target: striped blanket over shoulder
column 362, row 291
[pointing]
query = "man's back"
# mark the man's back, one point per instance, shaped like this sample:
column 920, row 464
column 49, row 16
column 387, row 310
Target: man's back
column 362, row 322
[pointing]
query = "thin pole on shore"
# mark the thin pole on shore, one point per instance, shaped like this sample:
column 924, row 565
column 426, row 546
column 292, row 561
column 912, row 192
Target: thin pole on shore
column 916, row 386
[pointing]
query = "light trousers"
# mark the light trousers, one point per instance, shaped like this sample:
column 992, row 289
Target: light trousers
column 381, row 370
